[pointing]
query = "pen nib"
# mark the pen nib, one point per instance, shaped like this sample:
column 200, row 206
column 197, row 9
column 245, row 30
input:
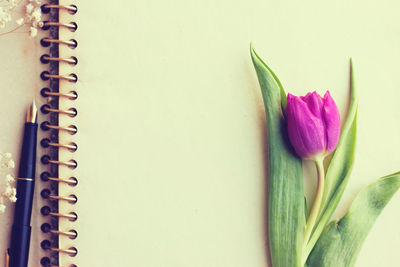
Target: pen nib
column 31, row 115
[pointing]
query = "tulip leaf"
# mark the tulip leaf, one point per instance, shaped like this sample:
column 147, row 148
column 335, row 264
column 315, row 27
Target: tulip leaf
column 306, row 214
column 285, row 176
column 339, row 169
column 341, row 241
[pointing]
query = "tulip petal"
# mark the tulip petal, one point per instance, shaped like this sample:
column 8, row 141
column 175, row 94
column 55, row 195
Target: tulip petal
column 306, row 131
column 314, row 102
column 331, row 118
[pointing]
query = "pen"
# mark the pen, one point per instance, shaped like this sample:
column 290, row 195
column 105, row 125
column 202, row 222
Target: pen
column 21, row 230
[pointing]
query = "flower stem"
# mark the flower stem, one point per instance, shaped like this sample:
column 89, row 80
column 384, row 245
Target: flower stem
column 315, row 208
column 11, row 31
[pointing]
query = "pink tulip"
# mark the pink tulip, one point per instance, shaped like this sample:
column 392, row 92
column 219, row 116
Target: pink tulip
column 313, row 124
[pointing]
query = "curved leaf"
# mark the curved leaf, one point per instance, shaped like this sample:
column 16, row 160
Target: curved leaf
column 285, row 181
column 341, row 241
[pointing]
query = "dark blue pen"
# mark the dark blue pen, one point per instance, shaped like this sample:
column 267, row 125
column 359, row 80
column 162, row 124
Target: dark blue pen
column 18, row 252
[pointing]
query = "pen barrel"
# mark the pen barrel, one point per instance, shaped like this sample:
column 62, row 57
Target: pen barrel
column 19, row 249
column 28, row 151
column 25, row 188
column 21, row 229
column 23, row 206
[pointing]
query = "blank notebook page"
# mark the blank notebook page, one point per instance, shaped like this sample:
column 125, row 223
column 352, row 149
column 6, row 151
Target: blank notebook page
column 171, row 126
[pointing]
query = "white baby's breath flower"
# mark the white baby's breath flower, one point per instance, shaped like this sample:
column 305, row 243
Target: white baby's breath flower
column 20, row 21
column 29, row 8
column 13, row 197
column 10, row 178
column 4, row 16
column 13, row 3
column 10, row 163
column 32, row 32
column 8, row 191
column 37, row 14
column 2, row 208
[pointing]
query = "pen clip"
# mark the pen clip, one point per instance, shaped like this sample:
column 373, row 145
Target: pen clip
column 7, row 258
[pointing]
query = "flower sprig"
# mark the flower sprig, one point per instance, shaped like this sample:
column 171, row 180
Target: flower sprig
column 32, row 15
column 10, row 192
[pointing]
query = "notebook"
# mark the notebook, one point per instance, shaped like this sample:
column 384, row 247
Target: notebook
column 154, row 129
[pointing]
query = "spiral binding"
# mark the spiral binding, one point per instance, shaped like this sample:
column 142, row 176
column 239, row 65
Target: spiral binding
column 53, row 94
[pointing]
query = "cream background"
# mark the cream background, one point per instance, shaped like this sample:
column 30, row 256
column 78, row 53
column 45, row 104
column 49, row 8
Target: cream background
column 172, row 127
column 20, row 83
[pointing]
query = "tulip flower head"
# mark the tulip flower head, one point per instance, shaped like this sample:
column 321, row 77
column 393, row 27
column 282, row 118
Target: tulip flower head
column 313, row 124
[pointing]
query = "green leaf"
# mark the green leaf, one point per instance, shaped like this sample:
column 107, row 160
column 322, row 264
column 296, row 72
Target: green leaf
column 305, row 210
column 341, row 241
column 339, row 169
column 285, row 176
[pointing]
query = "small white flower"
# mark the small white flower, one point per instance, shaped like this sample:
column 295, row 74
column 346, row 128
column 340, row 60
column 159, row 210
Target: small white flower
column 20, row 21
column 4, row 17
column 10, row 178
column 10, row 163
column 13, row 3
column 8, row 192
column 37, row 15
column 33, row 32
column 29, row 8
column 13, row 198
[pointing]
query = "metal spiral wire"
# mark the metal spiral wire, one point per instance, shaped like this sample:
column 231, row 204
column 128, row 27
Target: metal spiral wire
column 51, row 125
